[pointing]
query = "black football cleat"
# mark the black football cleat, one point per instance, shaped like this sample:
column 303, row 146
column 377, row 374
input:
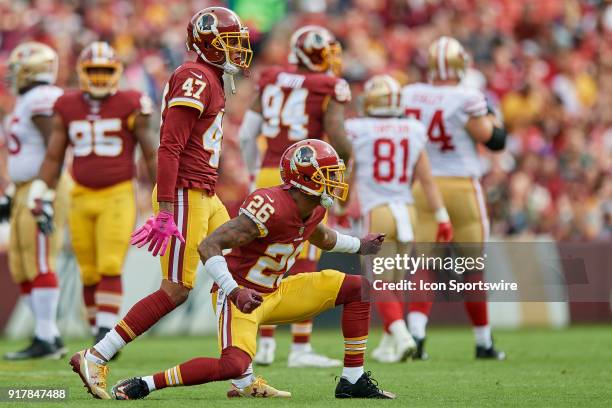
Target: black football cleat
column 420, row 353
column 100, row 335
column 37, row 349
column 365, row 387
column 489, row 353
column 62, row 350
column 130, row 389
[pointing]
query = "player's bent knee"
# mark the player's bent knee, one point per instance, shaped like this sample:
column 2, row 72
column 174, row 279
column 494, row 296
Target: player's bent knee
column 351, row 290
column 177, row 292
column 233, row 363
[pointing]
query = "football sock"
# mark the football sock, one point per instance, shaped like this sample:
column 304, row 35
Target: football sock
column 477, row 311
column 355, row 321
column 352, row 374
column 26, row 292
column 246, row 380
column 110, row 345
column 267, row 330
column 233, row 363
column 150, row 382
column 89, row 299
column 482, row 335
column 390, row 312
column 417, row 324
column 144, row 314
column 109, row 295
column 45, row 297
column 301, row 336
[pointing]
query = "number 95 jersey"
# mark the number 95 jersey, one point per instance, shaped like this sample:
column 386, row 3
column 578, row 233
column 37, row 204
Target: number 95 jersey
column 293, row 105
column 262, row 263
column 445, row 110
column 101, row 134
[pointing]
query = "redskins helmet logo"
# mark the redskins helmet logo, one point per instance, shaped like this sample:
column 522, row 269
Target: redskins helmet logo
column 314, row 40
column 204, row 25
column 304, row 156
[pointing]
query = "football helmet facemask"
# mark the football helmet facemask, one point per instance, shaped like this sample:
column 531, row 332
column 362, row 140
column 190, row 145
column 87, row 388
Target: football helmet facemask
column 99, row 70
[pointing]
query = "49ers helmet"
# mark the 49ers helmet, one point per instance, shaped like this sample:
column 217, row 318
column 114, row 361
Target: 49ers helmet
column 313, row 166
column 447, row 59
column 381, row 96
column 316, row 48
column 99, row 69
column 218, row 37
column 32, row 62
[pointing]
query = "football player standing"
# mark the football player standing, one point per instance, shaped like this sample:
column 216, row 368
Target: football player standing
column 272, row 227
column 103, row 125
column 303, row 101
column 32, row 253
column 389, row 154
column 457, row 119
column 184, row 201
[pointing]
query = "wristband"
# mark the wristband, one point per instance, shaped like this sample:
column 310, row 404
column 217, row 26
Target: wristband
column 216, row 268
column 442, row 215
column 346, row 244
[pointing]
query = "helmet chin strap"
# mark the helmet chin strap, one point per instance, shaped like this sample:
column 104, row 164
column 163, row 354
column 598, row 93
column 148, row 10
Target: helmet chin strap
column 326, row 200
column 227, row 67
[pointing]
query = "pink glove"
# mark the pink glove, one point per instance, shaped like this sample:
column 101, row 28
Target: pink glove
column 158, row 230
column 371, row 243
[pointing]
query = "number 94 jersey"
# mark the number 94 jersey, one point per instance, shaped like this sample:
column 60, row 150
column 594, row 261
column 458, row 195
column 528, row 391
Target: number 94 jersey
column 445, row 110
column 101, row 134
column 293, row 104
column 262, row 263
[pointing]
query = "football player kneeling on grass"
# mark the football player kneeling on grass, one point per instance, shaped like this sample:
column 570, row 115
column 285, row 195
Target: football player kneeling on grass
column 273, row 225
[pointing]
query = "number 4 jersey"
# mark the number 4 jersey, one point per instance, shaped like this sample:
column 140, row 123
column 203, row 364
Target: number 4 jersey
column 445, row 110
column 293, row 105
column 101, row 135
column 386, row 151
column 261, row 263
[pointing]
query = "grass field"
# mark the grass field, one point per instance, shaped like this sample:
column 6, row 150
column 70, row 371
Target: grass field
column 545, row 368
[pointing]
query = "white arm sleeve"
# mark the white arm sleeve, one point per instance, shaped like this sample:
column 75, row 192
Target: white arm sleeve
column 216, row 268
column 249, row 130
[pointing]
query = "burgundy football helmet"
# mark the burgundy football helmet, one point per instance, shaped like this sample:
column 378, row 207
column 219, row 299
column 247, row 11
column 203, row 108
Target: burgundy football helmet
column 313, row 166
column 316, row 48
column 218, row 37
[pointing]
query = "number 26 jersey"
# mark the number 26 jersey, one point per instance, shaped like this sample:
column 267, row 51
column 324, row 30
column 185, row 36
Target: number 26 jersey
column 445, row 110
column 262, row 263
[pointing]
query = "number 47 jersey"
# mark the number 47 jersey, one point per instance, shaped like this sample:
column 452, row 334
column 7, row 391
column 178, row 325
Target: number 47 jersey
column 293, row 105
column 445, row 110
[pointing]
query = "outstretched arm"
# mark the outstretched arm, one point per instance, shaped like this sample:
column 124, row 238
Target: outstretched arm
column 329, row 240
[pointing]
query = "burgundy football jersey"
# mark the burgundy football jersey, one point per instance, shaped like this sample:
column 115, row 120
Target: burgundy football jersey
column 261, row 263
column 293, row 104
column 199, row 86
column 100, row 132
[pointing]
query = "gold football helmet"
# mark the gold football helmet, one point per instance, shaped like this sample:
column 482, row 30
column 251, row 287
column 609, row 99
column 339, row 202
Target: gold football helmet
column 447, row 59
column 99, row 69
column 32, row 62
column 382, row 96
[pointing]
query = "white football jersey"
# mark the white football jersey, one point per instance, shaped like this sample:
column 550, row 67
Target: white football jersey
column 25, row 144
column 385, row 151
column 445, row 110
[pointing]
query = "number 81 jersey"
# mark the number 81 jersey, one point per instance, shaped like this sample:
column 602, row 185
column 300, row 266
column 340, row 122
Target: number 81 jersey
column 445, row 110
column 101, row 134
column 293, row 105
column 262, row 263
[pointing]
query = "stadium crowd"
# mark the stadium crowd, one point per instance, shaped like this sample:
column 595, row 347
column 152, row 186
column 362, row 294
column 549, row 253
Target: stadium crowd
column 545, row 65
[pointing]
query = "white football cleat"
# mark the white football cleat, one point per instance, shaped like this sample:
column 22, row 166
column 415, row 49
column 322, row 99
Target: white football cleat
column 405, row 346
column 385, row 352
column 266, row 351
column 308, row 358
